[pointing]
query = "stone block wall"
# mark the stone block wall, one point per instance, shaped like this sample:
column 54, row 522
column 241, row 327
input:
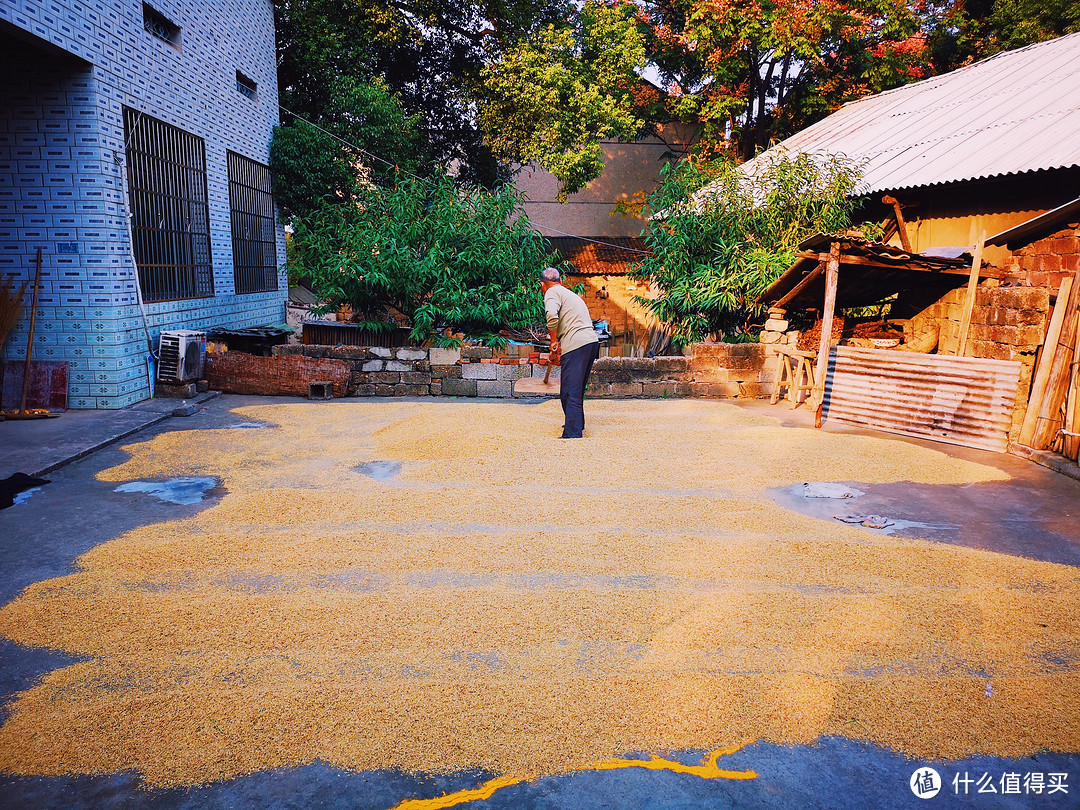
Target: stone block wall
column 722, row 370
column 711, row 370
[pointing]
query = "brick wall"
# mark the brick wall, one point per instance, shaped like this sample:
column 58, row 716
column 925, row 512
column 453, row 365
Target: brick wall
column 284, row 375
column 712, row 370
column 1007, row 323
column 61, row 172
column 1046, row 262
column 611, row 298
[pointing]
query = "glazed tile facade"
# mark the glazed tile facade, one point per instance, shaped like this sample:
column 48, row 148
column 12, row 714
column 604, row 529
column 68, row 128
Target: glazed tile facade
column 67, row 71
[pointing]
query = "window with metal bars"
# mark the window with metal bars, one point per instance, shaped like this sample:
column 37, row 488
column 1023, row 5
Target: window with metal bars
column 170, row 223
column 254, row 237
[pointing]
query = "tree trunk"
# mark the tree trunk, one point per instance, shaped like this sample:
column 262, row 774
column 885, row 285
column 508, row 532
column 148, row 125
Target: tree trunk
column 760, row 136
column 749, row 137
column 781, row 89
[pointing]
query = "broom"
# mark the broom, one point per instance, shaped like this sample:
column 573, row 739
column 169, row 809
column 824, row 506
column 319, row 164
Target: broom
column 10, row 305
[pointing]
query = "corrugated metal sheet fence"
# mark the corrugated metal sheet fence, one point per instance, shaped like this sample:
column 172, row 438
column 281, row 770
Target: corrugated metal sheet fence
column 959, row 400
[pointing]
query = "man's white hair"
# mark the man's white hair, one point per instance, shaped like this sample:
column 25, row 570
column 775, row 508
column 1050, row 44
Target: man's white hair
column 550, row 274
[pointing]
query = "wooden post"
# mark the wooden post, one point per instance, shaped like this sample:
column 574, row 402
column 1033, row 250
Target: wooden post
column 969, row 301
column 1046, row 362
column 832, row 276
column 802, row 285
column 1071, row 446
column 901, row 226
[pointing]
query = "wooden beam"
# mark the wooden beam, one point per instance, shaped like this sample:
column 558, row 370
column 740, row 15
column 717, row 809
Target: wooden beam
column 832, row 277
column 1046, row 362
column 808, row 279
column 969, row 299
column 901, row 227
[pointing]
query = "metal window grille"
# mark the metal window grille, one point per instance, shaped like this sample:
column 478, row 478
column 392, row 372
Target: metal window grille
column 253, row 234
column 170, row 225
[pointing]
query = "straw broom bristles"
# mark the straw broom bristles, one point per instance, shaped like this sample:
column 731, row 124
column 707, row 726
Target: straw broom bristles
column 10, row 306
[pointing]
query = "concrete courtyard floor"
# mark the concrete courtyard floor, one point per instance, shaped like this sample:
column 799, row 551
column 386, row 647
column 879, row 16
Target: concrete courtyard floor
column 379, row 604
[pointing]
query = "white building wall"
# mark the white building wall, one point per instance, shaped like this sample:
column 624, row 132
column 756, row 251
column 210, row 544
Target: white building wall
column 67, row 68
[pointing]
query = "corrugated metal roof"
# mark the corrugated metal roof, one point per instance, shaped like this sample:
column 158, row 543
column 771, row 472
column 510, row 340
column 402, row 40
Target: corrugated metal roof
column 1013, row 113
column 1038, row 227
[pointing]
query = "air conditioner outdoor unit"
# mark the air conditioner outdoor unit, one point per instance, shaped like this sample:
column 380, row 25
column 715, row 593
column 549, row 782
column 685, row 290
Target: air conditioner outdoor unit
column 181, row 356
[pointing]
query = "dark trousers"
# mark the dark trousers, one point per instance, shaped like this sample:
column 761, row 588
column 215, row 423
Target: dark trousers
column 573, row 378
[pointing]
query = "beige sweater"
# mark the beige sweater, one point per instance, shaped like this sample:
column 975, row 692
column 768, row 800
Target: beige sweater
column 569, row 317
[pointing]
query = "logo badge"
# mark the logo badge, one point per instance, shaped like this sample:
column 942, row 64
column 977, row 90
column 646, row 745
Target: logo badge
column 925, row 783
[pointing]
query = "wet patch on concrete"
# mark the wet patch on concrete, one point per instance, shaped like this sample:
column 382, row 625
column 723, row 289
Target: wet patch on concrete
column 833, row 501
column 379, row 470
column 247, row 426
column 183, row 490
column 994, row 516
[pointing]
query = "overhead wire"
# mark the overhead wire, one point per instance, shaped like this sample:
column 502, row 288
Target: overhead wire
column 398, row 168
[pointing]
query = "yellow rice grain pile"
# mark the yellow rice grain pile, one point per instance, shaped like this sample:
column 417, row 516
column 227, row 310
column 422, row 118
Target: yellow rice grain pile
column 526, row 605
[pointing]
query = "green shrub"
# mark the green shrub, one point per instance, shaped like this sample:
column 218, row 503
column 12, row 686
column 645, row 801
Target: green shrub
column 464, row 260
column 715, row 249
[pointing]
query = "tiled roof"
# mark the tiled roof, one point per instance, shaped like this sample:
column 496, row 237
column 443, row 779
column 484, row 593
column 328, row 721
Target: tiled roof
column 609, row 255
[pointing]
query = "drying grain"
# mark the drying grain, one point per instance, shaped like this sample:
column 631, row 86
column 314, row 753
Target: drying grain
column 524, row 605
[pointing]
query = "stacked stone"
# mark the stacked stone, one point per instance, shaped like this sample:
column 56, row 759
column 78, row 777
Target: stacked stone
column 710, row 370
column 776, row 332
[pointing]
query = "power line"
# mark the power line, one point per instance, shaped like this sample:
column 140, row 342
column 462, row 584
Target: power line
column 352, row 145
column 422, row 180
column 588, row 239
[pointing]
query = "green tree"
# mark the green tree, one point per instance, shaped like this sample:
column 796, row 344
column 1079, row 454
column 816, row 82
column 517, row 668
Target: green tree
column 314, row 165
column 753, row 71
column 718, row 237
column 429, row 53
column 552, row 99
column 441, row 256
column 961, row 31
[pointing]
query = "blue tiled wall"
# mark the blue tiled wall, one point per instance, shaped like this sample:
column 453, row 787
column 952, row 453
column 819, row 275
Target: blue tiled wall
column 66, row 70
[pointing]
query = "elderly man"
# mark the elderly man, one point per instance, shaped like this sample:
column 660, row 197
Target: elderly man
column 572, row 337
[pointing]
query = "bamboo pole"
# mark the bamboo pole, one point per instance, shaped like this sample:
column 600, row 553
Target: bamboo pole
column 832, row 277
column 1046, row 361
column 1071, row 444
column 30, row 336
column 1049, row 419
column 969, row 300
